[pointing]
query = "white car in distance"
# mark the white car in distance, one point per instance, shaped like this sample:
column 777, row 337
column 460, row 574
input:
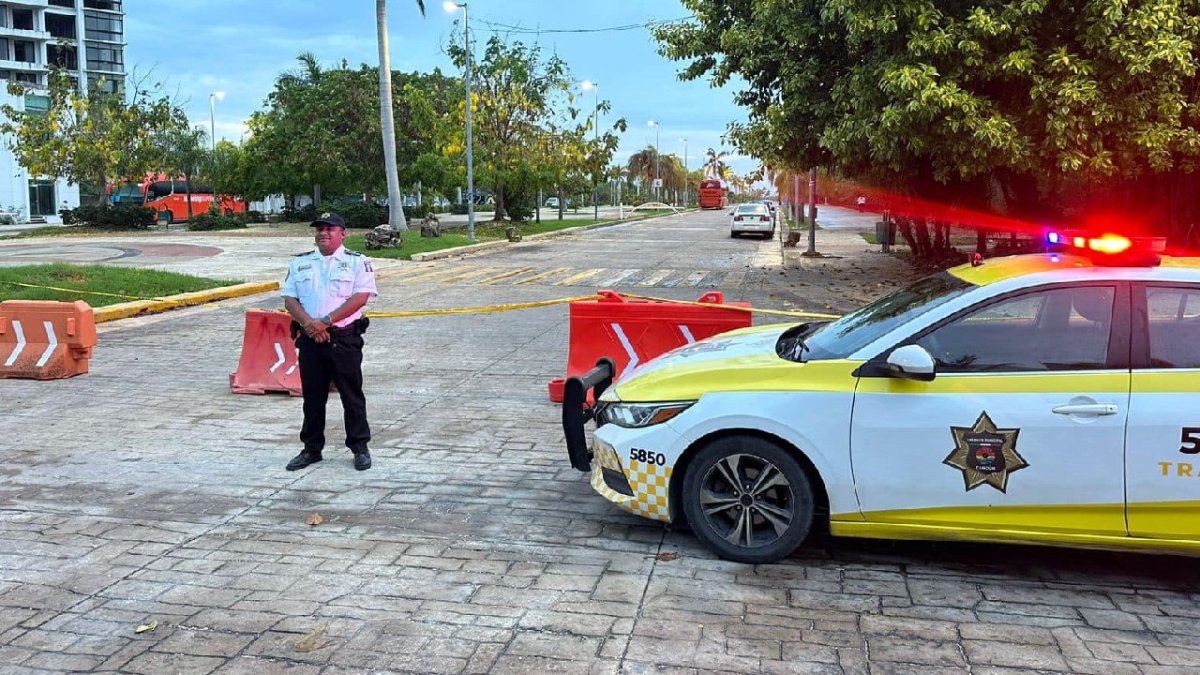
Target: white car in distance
column 751, row 219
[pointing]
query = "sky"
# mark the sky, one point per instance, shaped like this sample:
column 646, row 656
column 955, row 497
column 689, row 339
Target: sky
column 239, row 47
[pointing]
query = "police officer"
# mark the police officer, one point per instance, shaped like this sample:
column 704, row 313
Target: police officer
column 325, row 292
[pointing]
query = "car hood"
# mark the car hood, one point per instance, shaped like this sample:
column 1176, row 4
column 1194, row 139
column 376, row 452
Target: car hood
column 741, row 360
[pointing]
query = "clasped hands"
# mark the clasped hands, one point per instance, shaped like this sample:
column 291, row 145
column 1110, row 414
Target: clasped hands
column 316, row 330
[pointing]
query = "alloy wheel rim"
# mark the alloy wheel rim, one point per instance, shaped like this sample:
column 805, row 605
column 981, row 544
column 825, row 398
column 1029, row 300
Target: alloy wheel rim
column 747, row 500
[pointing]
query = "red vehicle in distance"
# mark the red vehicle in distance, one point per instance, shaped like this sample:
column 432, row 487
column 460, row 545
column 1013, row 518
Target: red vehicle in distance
column 169, row 197
column 712, row 194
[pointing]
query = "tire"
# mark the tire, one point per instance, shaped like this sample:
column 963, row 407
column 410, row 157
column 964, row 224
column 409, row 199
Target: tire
column 748, row 458
column 733, row 235
column 769, row 235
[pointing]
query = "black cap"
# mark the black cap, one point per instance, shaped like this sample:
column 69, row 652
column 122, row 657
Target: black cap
column 329, row 218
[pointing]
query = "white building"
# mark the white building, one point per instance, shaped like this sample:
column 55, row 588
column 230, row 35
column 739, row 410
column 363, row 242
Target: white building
column 84, row 36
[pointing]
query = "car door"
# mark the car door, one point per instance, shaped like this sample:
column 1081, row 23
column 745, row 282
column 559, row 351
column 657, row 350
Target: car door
column 1162, row 461
column 1021, row 430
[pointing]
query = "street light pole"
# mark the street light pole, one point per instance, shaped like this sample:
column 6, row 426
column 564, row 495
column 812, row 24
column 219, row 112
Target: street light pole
column 595, row 87
column 450, row 6
column 212, row 125
column 685, row 173
column 657, row 185
column 212, row 115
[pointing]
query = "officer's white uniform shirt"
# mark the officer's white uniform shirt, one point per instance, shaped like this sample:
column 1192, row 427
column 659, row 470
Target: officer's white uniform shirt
column 323, row 283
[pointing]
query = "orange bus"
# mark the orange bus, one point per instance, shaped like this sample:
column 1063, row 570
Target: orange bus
column 169, row 197
column 712, row 194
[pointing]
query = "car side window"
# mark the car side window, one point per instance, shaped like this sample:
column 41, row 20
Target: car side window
column 1048, row 330
column 1174, row 318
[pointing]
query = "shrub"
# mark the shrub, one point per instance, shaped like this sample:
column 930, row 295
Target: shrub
column 362, row 215
column 305, row 214
column 214, row 221
column 124, row 217
column 251, row 217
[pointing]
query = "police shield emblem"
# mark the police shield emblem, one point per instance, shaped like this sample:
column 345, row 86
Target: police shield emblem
column 985, row 454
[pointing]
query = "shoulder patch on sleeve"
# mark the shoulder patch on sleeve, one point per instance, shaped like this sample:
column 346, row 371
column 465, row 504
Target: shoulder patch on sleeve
column 367, row 265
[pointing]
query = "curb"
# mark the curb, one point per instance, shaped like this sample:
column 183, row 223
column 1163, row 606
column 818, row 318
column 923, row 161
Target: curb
column 126, row 310
column 458, row 250
column 475, row 248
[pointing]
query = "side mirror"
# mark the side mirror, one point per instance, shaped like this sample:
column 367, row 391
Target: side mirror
column 911, row 362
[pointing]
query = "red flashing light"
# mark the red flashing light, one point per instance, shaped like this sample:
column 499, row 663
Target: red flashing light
column 1114, row 248
column 1111, row 244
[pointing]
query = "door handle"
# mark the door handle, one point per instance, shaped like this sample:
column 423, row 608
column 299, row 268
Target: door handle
column 1086, row 409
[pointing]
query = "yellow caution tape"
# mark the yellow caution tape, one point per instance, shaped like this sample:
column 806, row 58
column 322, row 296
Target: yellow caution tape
column 562, row 301
column 488, row 309
column 479, row 310
column 76, row 290
column 752, row 310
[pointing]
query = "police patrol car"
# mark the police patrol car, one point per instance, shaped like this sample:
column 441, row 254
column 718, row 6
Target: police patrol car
column 1050, row 398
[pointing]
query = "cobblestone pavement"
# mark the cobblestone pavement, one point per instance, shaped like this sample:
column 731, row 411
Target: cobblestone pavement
column 145, row 494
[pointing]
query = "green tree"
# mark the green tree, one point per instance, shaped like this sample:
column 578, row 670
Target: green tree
column 305, row 144
column 1033, row 107
column 98, row 137
column 514, row 92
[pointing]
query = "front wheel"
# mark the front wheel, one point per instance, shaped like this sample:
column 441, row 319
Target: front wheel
column 748, row 499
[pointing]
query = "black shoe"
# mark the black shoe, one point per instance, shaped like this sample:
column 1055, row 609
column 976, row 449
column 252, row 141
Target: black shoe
column 303, row 459
column 362, row 460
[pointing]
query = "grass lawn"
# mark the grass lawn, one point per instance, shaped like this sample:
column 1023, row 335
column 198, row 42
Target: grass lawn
column 125, row 281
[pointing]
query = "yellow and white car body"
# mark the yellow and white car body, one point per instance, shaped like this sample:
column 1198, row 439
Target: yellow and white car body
column 1061, row 406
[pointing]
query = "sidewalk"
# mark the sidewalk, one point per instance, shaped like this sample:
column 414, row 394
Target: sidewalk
column 847, row 273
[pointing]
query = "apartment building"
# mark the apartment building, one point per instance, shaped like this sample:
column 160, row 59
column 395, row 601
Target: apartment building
column 84, row 36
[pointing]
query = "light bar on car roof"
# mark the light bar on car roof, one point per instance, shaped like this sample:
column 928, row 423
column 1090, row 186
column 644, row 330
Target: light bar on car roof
column 1115, row 248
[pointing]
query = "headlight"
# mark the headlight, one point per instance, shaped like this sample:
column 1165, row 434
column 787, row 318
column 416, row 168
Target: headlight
column 635, row 415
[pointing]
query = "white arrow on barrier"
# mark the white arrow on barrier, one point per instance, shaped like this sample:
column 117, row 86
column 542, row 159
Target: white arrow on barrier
column 633, row 357
column 282, row 358
column 52, row 339
column 12, row 358
column 687, row 334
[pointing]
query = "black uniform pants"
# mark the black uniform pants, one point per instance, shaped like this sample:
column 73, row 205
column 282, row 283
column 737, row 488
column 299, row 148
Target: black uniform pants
column 338, row 361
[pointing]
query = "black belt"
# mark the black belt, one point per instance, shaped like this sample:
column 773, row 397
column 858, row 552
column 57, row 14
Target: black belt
column 348, row 329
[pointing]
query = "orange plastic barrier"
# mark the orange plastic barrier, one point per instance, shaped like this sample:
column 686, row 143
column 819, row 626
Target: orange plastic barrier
column 269, row 357
column 42, row 340
column 631, row 332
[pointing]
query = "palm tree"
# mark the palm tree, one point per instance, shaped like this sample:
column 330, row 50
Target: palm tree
column 642, row 164
column 714, row 167
column 396, row 219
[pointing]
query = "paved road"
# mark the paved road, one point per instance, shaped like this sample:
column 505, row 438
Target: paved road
column 145, row 492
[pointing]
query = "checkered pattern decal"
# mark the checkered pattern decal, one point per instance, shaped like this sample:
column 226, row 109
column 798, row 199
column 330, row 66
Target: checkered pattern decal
column 649, row 483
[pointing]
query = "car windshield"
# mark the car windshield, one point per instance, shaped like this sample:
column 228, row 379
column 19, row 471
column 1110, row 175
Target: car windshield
column 840, row 339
